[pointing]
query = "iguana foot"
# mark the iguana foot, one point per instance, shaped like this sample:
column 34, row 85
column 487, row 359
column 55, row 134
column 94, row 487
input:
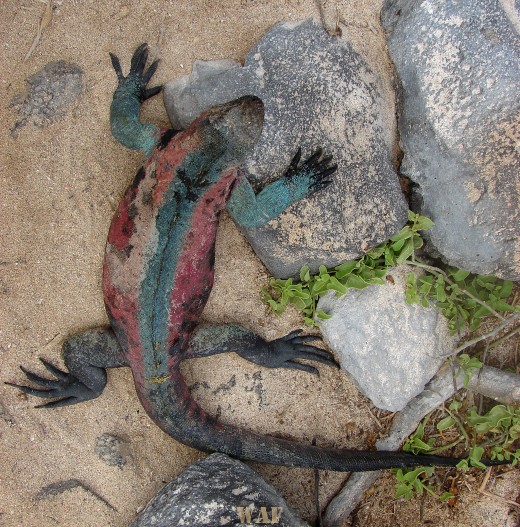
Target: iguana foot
column 137, row 78
column 67, row 389
column 86, row 355
column 311, row 176
column 284, row 352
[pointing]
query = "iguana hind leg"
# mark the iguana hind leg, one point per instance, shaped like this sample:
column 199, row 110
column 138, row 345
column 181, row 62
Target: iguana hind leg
column 279, row 353
column 86, row 356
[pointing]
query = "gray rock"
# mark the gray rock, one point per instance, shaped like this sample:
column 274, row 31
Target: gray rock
column 50, row 93
column 217, row 491
column 317, row 91
column 458, row 65
column 111, row 450
column 389, row 348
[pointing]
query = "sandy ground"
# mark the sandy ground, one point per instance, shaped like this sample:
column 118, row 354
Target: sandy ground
column 60, row 185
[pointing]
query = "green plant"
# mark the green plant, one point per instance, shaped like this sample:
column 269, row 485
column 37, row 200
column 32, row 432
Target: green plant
column 416, row 481
column 495, row 431
column 468, row 366
column 464, row 298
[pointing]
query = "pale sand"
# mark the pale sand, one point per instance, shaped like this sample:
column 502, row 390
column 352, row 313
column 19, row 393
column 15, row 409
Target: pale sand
column 60, row 186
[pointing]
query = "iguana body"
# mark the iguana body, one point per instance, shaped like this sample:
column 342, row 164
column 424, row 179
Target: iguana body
column 158, row 273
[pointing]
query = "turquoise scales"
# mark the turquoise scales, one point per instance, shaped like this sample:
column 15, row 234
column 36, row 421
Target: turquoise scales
column 158, row 274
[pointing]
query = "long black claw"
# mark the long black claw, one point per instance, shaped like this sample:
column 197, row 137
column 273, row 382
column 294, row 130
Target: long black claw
column 32, row 391
column 316, row 357
column 151, row 92
column 293, row 365
column 46, row 383
column 293, row 166
column 313, row 159
column 292, row 335
column 320, row 185
column 117, row 66
column 304, row 338
column 325, row 160
column 60, row 374
column 328, row 171
column 150, row 71
column 66, row 401
column 137, row 63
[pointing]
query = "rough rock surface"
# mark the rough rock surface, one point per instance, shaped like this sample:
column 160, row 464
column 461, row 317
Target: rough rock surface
column 389, row 348
column 216, row 491
column 50, row 93
column 317, row 91
column 458, row 65
column 112, row 450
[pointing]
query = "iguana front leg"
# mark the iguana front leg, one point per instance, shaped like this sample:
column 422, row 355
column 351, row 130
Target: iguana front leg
column 130, row 93
column 299, row 181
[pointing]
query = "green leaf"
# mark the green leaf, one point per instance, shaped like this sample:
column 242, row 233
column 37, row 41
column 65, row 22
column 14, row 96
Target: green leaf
column 322, row 315
column 305, row 274
column 412, row 216
column 475, row 456
column 440, row 292
column 336, row 285
column 418, row 242
column 376, row 252
column 346, row 268
column 506, row 289
column 445, row 496
column 404, row 234
column 355, row 282
column 423, row 223
column 445, row 423
column 406, row 252
column 389, row 257
column 411, row 289
column 398, row 245
column 459, row 275
column 455, row 405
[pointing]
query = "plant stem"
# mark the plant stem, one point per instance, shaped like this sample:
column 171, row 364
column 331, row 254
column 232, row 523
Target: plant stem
column 437, row 271
column 490, row 334
column 460, row 425
column 445, row 447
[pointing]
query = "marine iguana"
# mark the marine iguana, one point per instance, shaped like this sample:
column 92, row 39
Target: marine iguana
column 158, row 274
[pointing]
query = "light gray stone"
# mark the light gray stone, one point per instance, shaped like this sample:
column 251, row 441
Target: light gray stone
column 210, row 492
column 51, row 92
column 316, row 91
column 112, row 450
column 459, row 79
column 390, row 349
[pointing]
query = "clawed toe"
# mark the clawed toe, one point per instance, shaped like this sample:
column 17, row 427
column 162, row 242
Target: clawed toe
column 66, row 388
column 139, row 59
column 138, row 77
column 294, row 347
column 33, row 391
column 293, row 365
column 46, row 383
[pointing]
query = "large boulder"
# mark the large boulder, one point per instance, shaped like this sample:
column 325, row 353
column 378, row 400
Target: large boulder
column 389, row 348
column 217, row 491
column 459, row 80
column 317, row 91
